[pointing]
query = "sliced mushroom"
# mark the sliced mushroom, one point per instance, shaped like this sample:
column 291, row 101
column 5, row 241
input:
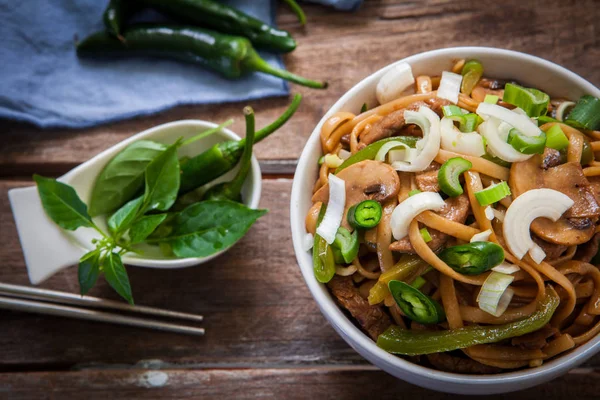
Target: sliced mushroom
column 388, row 126
column 366, row 180
column 588, row 250
column 577, row 224
column 456, row 209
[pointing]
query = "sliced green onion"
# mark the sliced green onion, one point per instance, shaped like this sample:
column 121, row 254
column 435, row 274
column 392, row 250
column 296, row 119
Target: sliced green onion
column 472, row 72
column 493, row 193
column 449, row 175
column 413, row 192
column 527, row 144
column 323, row 258
column 556, row 138
column 365, row 215
column 425, row 235
column 333, row 161
column 321, row 160
column 383, row 151
column 494, row 296
column 453, row 111
column 470, row 122
column 347, row 244
column 364, row 108
column 544, row 119
column 418, row 282
column 534, row 102
column 496, row 160
column 416, row 305
column 491, row 99
column 586, row 114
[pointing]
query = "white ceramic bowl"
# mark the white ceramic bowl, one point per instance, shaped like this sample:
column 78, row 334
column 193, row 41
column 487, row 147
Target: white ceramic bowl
column 529, row 70
column 48, row 249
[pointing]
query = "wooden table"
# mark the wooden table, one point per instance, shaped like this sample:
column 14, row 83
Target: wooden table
column 265, row 336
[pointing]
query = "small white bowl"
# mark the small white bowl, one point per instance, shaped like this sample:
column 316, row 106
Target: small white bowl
column 498, row 63
column 48, row 249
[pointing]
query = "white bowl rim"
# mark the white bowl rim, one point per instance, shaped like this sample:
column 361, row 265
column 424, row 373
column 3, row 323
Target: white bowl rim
column 367, row 347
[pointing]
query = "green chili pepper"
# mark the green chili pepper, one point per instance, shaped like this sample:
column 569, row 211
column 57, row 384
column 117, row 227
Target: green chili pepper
column 230, row 56
column 556, row 139
column 473, row 258
column 364, row 215
column 218, row 16
column 449, row 175
column 587, row 155
column 534, row 102
column 297, row 10
column 369, row 152
column 116, row 15
column 527, row 144
column 232, row 190
column 472, row 72
column 411, row 343
column 323, row 259
column 222, row 157
column 345, row 246
column 415, row 305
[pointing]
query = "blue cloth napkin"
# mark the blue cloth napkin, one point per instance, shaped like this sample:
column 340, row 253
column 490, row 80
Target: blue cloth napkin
column 44, row 83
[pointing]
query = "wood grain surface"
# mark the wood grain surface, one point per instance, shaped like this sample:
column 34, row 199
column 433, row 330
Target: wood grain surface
column 265, row 335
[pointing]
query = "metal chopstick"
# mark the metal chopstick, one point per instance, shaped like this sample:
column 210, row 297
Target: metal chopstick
column 54, row 296
column 93, row 315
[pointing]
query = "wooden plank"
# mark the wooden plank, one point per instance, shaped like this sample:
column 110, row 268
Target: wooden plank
column 257, row 308
column 344, row 48
column 246, row 384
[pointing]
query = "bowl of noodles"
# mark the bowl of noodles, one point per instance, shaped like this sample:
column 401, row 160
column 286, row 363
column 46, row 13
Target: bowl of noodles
column 445, row 215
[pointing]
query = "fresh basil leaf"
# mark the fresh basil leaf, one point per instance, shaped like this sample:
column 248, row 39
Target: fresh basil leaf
column 124, row 216
column 162, row 180
column 61, row 203
column 165, row 228
column 116, row 276
column 210, row 226
column 89, row 270
column 123, row 176
column 143, row 227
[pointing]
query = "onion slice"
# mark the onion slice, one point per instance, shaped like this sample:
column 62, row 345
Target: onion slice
column 506, row 268
column 517, row 120
column 495, row 296
column 395, row 81
column 335, row 209
column 429, row 146
column 406, row 211
column 481, row 236
column 536, row 203
column 490, row 129
column 469, row 143
column 383, row 151
column 449, row 86
column 308, row 242
column 344, row 154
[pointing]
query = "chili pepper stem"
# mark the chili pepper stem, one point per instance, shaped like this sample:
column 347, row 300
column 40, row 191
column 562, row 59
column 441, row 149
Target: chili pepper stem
column 255, row 62
column 235, row 186
column 297, row 10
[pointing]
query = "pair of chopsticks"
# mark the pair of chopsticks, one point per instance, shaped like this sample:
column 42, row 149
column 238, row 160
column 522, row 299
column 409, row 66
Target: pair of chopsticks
column 51, row 302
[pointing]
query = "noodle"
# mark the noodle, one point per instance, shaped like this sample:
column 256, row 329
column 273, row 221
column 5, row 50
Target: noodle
column 425, row 266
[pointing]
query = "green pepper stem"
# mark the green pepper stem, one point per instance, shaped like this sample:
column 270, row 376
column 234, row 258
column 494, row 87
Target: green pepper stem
column 297, row 10
column 254, row 62
column 235, row 186
column 278, row 123
column 207, row 133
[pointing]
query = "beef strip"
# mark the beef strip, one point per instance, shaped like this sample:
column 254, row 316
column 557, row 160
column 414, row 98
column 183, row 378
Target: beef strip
column 553, row 251
column 535, row 340
column 456, row 209
column 388, row 126
column 373, row 319
column 587, row 251
column 427, row 181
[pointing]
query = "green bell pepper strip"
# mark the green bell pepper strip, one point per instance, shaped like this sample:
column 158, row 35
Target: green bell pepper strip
column 472, row 72
column 587, row 155
column 416, row 305
column 116, row 15
column 449, row 175
column 556, row 138
column 534, row 102
column 230, row 56
column 232, row 190
column 323, row 259
column 365, row 215
column 473, row 258
column 369, row 152
column 396, row 340
column 527, row 144
column 544, row 119
column 218, row 16
column 425, row 235
column 222, row 157
column 347, row 245
column 585, row 114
